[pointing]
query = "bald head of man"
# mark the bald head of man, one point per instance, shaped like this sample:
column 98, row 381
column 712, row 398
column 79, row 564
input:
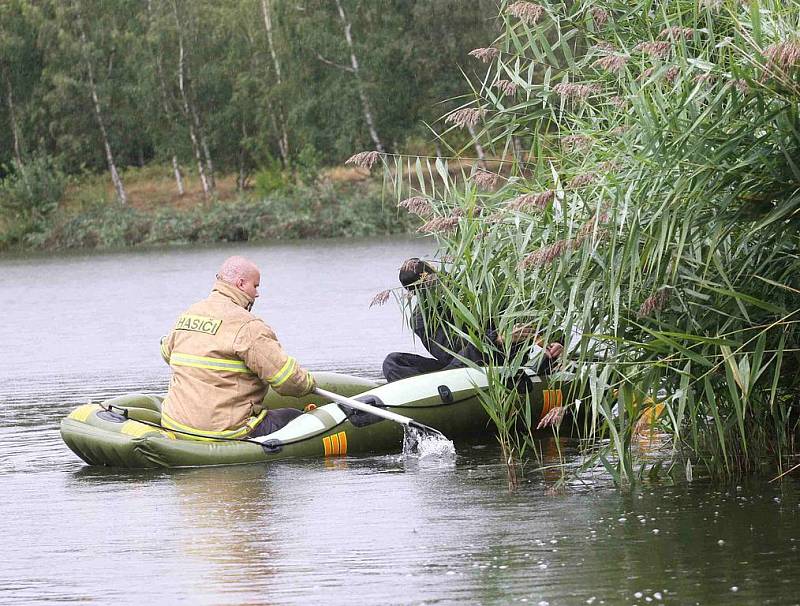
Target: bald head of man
column 241, row 273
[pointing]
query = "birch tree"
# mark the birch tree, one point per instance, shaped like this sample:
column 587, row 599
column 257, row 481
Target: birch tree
column 355, row 70
column 205, row 167
column 91, row 86
column 18, row 68
column 156, row 59
column 280, row 119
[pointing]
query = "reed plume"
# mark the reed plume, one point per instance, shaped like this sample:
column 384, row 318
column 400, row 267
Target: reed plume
column 571, row 90
column 505, row 86
column 380, row 298
column 440, row 225
column 576, row 142
column 582, row 180
column 677, row 31
column 611, row 63
column 600, row 16
column 485, row 179
column 364, row 159
column 783, row 55
column 546, row 254
column 466, row 117
column 654, row 302
column 536, row 201
column 418, row 205
column 485, row 54
column 671, row 73
column 705, row 78
column 527, row 12
column 604, row 46
column 655, row 49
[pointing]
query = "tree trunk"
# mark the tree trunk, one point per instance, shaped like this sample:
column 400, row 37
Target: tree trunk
column 373, row 133
column 12, row 116
column 98, row 113
column 283, row 141
column 168, row 113
column 187, row 111
column 176, row 169
column 209, row 165
column 242, row 177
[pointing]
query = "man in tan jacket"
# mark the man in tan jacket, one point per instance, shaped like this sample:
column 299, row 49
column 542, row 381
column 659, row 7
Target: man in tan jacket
column 224, row 360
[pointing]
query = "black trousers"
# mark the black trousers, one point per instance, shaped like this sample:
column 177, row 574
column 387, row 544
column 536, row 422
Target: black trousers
column 399, row 365
column 274, row 420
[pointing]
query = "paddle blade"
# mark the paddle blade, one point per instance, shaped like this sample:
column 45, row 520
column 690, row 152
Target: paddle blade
column 422, row 441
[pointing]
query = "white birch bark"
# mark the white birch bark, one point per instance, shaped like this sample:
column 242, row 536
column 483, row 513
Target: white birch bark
column 283, row 142
column 162, row 86
column 176, row 170
column 98, row 112
column 373, row 133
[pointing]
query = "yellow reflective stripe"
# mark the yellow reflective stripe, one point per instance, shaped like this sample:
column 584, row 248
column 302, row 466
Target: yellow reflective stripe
column 309, row 382
column 284, row 373
column 182, row 359
column 210, row 435
column 335, row 444
column 256, row 419
column 552, row 398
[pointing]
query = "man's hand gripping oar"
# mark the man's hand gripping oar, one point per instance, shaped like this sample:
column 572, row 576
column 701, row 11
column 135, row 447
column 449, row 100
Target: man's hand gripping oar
column 380, row 412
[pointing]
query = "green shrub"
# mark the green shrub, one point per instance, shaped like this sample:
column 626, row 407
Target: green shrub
column 270, row 179
column 111, row 226
column 307, row 165
column 28, row 196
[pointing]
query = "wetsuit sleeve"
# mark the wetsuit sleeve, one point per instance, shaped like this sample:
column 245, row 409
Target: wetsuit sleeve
column 471, row 353
column 435, row 341
column 258, row 346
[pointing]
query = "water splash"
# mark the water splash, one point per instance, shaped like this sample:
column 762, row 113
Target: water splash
column 424, row 444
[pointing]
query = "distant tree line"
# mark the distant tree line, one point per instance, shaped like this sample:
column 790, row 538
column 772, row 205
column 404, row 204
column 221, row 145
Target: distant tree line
column 227, row 87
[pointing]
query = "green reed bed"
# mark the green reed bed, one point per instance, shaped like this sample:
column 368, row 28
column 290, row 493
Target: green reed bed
column 644, row 195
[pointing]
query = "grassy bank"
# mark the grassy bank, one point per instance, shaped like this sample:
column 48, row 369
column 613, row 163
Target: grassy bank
column 336, row 203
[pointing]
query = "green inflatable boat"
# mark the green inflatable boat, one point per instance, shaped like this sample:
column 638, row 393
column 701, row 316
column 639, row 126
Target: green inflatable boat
column 125, row 431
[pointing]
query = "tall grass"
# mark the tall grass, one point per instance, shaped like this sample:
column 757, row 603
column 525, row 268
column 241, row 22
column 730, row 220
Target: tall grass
column 644, row 195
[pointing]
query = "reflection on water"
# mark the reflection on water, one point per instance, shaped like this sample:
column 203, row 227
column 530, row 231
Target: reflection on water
column 377, row 530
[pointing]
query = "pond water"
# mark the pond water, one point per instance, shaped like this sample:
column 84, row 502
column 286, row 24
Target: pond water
column 376, row 530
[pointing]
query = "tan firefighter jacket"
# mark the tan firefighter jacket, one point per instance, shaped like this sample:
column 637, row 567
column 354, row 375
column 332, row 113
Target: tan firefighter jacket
column 224, row 359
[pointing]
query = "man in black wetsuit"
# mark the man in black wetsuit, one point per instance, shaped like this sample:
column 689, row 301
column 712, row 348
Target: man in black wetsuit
column 419, row 277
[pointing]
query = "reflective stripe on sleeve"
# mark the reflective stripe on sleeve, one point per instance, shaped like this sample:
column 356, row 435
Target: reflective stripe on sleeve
column 183, row 359
column 280, row 377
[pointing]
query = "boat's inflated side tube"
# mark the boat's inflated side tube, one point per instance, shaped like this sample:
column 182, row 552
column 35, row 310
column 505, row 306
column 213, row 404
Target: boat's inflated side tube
column 126, row 432
column 339, row 383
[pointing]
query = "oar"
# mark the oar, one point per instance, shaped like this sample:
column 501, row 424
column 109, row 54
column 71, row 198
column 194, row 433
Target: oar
column 380, row 412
